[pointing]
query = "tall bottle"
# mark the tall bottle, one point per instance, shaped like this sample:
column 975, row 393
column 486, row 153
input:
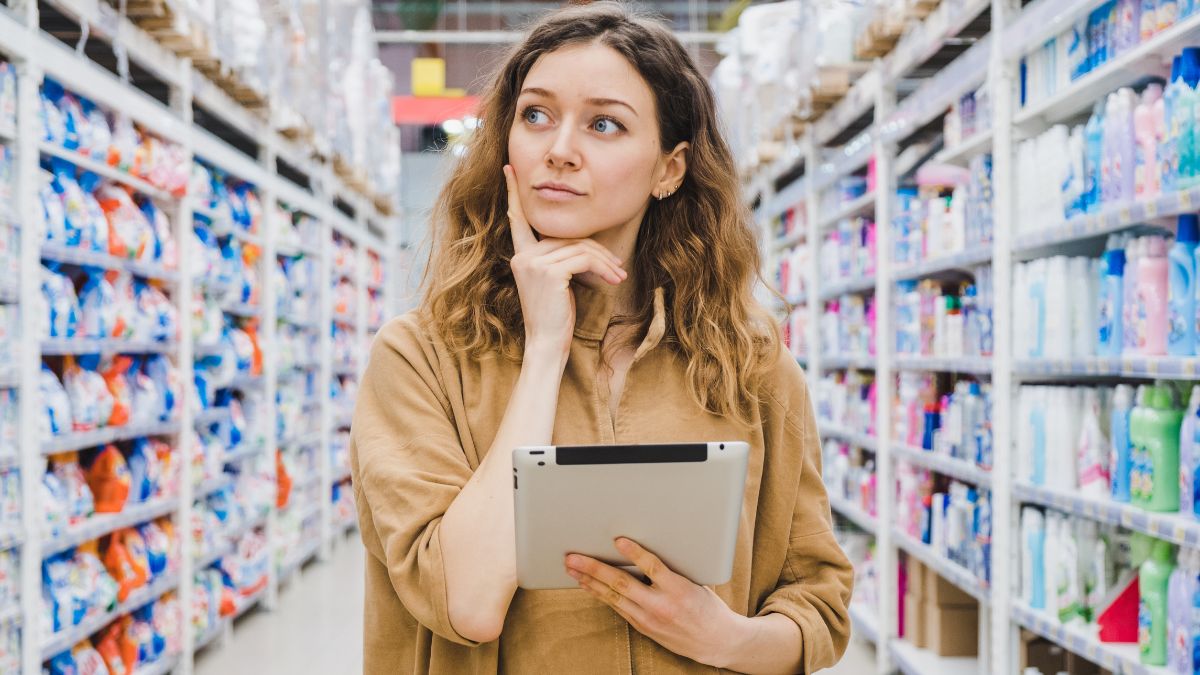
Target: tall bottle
column 1093, row 158
column 1110, row 339
column 1152, row 298
column 1189, row 70
column 1124, row 158
column 1129, row 297
column 1168, row 147
column 1153, row 580
column 1145, row 127
column 1121, row 454
column 1181, row 339
column 1187, row 449
column 1154, row 427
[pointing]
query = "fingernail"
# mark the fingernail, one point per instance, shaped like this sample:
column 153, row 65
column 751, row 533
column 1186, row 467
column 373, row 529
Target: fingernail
column 573, row 573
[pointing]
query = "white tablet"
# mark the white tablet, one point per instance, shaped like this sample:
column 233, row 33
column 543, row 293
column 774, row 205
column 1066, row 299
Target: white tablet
column 683, row 502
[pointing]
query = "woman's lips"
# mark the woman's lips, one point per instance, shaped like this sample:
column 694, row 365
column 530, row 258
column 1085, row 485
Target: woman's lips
column 557, row 194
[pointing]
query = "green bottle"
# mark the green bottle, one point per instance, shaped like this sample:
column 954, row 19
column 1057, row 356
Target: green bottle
column 1154, row 466
column 1153, row 579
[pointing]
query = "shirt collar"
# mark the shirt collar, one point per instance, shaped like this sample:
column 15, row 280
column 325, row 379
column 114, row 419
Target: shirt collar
column 594, row 308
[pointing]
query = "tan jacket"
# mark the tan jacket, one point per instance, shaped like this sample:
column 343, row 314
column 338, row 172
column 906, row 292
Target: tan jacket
column 424, row 421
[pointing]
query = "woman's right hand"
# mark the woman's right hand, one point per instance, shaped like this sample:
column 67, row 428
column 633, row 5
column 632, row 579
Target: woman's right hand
column 543, row 271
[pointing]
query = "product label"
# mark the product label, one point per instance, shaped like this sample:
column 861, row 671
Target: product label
column 1106, row 319
column 1144, row 622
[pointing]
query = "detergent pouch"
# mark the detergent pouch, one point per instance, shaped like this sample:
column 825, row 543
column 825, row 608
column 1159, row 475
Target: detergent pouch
column 66, row 608
column 56, row 503
column 156, row 314
column 57, row 405
column 80, row 502
column 97, row 306
column 88, row 659
column 109, row 648
column 117, row 379
column 147, row 398
column 73, row 118
column 97, row 139
column 91, row 402
column 157, row 643
column 167, row 382
column 61, row 303
column 243, row 348
column 164, row 250
column 54, row 127
column 122, row 568
column 75, row 208
column 157, row 548
column 143, row 471
column 135, row 545
column 54, row 215
column 95, row 233
column 129, row 233
column 124, row 142
column 98, row 586
column 109, row 479
column 124, row 305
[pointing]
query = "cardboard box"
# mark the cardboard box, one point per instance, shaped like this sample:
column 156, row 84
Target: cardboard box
column 943, row 593
column 914, row 622
column 1036, row 651
column 952, row 631
column 914, row 577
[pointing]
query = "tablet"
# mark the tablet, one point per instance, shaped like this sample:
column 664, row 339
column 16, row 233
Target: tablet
column 682, row 501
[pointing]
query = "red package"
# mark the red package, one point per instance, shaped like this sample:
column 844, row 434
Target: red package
column 109, row 480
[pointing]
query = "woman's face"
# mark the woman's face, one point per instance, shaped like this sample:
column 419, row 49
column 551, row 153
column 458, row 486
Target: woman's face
column 585, row 143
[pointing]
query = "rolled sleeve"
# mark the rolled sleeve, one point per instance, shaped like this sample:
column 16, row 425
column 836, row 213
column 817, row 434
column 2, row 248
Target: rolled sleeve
column 408, row 466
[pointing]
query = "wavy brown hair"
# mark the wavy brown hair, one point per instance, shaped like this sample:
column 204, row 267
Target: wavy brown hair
column 698, row 245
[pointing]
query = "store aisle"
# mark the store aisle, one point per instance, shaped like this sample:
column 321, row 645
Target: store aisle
column 316, row 629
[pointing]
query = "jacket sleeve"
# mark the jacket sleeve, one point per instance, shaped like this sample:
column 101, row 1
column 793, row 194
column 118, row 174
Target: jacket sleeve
column 814, row 585
column 408, row 466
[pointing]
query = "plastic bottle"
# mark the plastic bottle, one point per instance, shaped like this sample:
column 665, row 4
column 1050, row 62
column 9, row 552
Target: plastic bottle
column 1189, row 70
column 1148, row 20
column 1168, row 147
column 1033, row 557
column 1153, row 579
column 1145, row 128
column 1181, row 338
column 1180, row 591
column 1193, row 469
column 1168, row 14
column 1187, row 456
column 1124, row 154
column 1109, row 336
column 1121, row 449
column 1108, row 169
column 1154, row 428
column 1152, row 298
column 1091, row 453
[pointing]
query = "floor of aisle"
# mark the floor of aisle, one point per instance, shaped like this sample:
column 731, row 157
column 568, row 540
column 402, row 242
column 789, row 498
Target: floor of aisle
column 318, row 627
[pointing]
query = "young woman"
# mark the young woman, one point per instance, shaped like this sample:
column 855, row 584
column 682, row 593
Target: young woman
column 591, row 284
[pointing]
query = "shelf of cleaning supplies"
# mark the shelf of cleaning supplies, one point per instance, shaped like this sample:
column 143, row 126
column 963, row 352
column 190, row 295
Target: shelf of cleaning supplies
column 961, row 154
column 937, row 94
column 951, row 571
column 9, row 380
column 11, row 537
column 1176, row 528
column 854, row 513
column 1041, row 21
column 842, row 287
column 303, row 440
column 73, row 255
column 291, row 567
column 1080, row 639
column 241, row 454
column 99, row 524
column 1147, row 367
column 953, row 467
column 248, row 603
column 862, row 206
column 926, row 38
column 75, row 346
column 346, row 318
column 230, row 229
column 213, row 485
column 246, row 382
column 1111, row 218
column 104, row 171
column 790, row 239
column 864, row 622
column 1151, row 57
column 211, row 416
column 67, row 638
column 240, row 309
column 81, row 440
column 913, row 661
column 864, row 441
column 214, row 555
column 965, row 365
column 848, row 362
column 963, row 260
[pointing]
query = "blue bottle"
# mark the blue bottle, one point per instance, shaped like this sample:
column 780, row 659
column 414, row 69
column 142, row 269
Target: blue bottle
column 1093, row 158
column 1122, row 449
column 1181, row 293
column 1112, row 291
column 1189, row 71
column 1168, row 153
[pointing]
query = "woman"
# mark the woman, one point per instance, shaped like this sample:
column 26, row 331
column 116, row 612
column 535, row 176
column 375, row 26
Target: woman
column 591, row 284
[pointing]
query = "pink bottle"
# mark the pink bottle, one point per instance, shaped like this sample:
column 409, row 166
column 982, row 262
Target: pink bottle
column 1152, row 299
column 1147, row 124
column 871, row 326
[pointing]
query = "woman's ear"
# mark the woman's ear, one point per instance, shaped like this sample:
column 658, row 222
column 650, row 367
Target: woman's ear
column 674, row 168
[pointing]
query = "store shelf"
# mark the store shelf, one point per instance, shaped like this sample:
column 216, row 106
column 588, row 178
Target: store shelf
column 951, row 571
column 241, row 454
column 864, row 284
column 934, row 97
column 82, row 440
column 71, row 255
column 229, row 229
column 69, row 346
column 862, row 206
column 854, row 513
column 246, row 382
column 1111, row 218
column 848, row 362
column 1079, row 96
column 211, row 416
column 67, row 638
column 961, row 155
column 830, row 430
column 913, row 661
column 1146, row 367
column 864, row 623
column 292, row 566
column 1176, row 528
column 241, row 309
column 1082, row 640
column 100, row 524
column 247, row 604
column 213, row 485
column 212, row 556
column 967, row 365
column 964, row 261
column 960, row 469
column 11, row 537
column 104, row 170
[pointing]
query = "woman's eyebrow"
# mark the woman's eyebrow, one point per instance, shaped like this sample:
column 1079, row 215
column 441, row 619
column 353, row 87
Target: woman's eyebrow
column 599, row 102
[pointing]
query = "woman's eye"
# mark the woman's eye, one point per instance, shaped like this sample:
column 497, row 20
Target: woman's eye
column 607, row 126
column 534, row 116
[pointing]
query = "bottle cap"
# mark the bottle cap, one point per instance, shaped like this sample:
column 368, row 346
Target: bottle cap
column 1176, row 68
column 1188, row 229
column 1189, row 66
column 1115, row 259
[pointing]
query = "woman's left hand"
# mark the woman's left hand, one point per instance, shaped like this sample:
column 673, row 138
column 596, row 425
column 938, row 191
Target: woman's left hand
column 683, row 617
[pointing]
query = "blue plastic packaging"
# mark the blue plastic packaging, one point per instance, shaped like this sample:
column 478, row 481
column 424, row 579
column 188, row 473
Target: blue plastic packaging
column 1181, row 293
column 1112, row 291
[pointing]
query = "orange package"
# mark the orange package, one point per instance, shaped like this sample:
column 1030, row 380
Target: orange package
column 123, row 562
column 109, row 646
column 109, row 480
column 118, row 385
column 285, row 481
column 256, row 363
